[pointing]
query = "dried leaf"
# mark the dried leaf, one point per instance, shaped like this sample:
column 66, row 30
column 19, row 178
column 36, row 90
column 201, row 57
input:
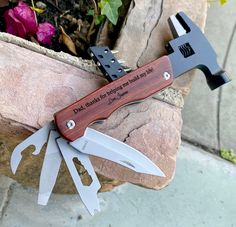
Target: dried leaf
column 37, row 10
column 34, row 40
column 67, row 41
column 103, row 38
column 4, row 3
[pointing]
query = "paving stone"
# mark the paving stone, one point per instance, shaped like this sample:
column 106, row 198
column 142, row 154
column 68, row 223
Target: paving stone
column 202, row 194
column 219, row 25
column 5, row 184
column 228, row 105
column 200, row 114
column 200, row 110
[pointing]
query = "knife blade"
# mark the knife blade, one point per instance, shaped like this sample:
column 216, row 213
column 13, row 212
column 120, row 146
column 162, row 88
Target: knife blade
column 92, row 140
column 98, row 144
column 111, row 149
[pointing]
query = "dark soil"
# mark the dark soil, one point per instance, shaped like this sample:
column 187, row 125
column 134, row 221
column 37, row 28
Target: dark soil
column 73, row 16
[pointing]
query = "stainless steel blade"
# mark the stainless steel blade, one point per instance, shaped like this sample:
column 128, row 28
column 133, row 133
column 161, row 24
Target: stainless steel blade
column 88, row 193
column 50, row 168
column 38, row 139
column 100, row 145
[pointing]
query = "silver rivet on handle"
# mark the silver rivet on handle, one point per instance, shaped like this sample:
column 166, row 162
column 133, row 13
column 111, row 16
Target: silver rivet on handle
column 70, row 124
column 166, row 75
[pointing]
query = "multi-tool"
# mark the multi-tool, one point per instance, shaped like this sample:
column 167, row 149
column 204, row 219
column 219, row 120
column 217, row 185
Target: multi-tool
column 68, row 137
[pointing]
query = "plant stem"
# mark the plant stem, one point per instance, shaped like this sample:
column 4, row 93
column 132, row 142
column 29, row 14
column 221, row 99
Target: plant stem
column 32, row 3
column 91, row 31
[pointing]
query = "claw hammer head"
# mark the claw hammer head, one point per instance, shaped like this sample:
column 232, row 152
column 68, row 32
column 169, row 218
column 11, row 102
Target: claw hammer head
column 190, row 49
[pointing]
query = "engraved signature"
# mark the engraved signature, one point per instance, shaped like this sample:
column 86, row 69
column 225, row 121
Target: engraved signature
column 117, row 97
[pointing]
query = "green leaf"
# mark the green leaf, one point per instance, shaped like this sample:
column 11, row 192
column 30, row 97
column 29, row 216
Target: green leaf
column 222, row 2
column 99, row 19
column 90, row 12
column 109, row 8
column 228, row 154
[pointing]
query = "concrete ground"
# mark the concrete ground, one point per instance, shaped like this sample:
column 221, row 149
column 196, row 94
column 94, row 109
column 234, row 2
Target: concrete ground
column 202, row 193
column 209, row 116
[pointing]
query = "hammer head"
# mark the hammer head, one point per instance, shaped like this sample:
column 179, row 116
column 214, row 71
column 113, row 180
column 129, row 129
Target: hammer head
column 190, row 49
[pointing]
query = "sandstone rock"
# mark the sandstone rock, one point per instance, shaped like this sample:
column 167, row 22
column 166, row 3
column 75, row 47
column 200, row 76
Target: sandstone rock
column 33, row 87
column 30, row 94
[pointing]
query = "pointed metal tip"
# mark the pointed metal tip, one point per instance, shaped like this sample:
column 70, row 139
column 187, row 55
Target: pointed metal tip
column 91, row 203
column 15, row 161
column 121, row 61
column 43, row 199
column 114, row 51
column 156, row 171
column 94, row 211
column 127, row 69
column 149, row 168
column 13, row 169
column 163, row 175
column 160, row 174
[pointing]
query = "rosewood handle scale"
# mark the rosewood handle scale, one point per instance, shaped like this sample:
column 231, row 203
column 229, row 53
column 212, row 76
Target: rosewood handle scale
column 99, row 105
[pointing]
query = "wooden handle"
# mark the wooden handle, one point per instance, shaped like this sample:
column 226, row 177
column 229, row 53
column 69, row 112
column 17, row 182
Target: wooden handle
column 99, row 105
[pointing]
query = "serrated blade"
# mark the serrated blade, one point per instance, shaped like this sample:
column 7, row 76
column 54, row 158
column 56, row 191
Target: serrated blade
column 101, row 145
column 38, row 139
column 51, row 165
column 88, row 193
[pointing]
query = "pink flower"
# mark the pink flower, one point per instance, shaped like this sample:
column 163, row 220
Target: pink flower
column 13, row 25
column 45, row 33
column 21, row 20
column 27, row 17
